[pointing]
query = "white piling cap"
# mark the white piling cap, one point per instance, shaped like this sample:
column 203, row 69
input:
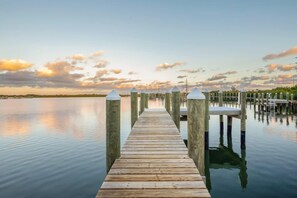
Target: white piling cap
column 113, row 95
column 134, row 90
column 206, row 90
column 175, row 89
column 243, row 91
column 220, row 91
column 196, row 94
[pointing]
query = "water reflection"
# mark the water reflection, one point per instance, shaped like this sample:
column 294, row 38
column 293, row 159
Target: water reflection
column 278, row 124
column 15, row 126
column 223, row 157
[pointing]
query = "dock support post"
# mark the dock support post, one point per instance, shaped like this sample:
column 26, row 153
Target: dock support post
column 255, row 101
column 146, row 100
column 206, row 93
column 142, row 102
column 167, row 101
column 176, row 106
column 134, row 106
column 259, row 102
column 229, row 125
column 113, row 126
column 221, row 116
column 196, row 128
column 292, row 98
column 287, row 105
column 243, row 119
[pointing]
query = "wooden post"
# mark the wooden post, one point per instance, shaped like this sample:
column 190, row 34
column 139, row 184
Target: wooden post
column 259, row 102
column 142, row 102
column 255, row 101
column 262, row 101
column 221, row 116
column 176, row 106
column 146, row 100
column 206, row 93
column 292, row 106
column 267, row 102
column 229, row 125
column 243, row 119
column 167, row 101
column 113, row 127
column 196, row 130
column 287, row 105
column 134, row 106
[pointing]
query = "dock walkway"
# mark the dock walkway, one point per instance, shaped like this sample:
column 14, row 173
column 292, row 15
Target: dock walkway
column 154, row 162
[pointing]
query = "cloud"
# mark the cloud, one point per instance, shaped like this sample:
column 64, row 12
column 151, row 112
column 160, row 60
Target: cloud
column 254, row 78
column 14, row 65
column 280, row 67
column 217, row 77
column 19, row 79
column 221, row 76
column 192, row 71
column 165, row 66
column 180, row 82
column 57, row 68
column 116, row 71
column 77, row 57
column 108, row 79
column 97, row 54
column 292, row 51
column 228, row 73
column 101, row 64
column 59, row 74
column 181, row 76
column 132, row 73
column 288, row 67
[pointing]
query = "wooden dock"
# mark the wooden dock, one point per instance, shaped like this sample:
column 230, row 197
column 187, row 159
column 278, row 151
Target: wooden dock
column 154, row 162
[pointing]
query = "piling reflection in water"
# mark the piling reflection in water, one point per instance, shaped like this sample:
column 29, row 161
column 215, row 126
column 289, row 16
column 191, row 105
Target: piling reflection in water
column 223, row 157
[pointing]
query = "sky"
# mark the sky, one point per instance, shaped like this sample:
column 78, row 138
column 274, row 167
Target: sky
column 79, row 47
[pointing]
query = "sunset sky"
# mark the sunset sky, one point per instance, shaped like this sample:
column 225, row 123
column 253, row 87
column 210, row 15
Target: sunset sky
column 77, row 47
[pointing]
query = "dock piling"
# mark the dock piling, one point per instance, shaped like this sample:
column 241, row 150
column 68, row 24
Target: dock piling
column 221, row 116
column 113, row 120
column 167, row 101
column 196, row 129
column 206, row 93
column 176, row 106
column 142, row 102
column 134, row 106
column 243, row 119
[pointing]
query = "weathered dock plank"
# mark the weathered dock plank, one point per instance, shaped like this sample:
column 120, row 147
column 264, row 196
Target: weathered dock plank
column 154, row 162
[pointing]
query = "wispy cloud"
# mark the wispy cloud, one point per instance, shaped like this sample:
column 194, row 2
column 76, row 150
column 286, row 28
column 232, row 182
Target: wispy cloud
column 221, row 76
column 14, row 65
column 181, row 76
column 289, row 52
column 97, row 54
column 280, row 67
column 192, row 71
column 132, row 73
column 101, row 64
column 165, row 66
column 217, row 77
column 116, row 71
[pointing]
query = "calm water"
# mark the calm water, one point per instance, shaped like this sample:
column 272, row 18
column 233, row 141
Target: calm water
column 56, row 148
